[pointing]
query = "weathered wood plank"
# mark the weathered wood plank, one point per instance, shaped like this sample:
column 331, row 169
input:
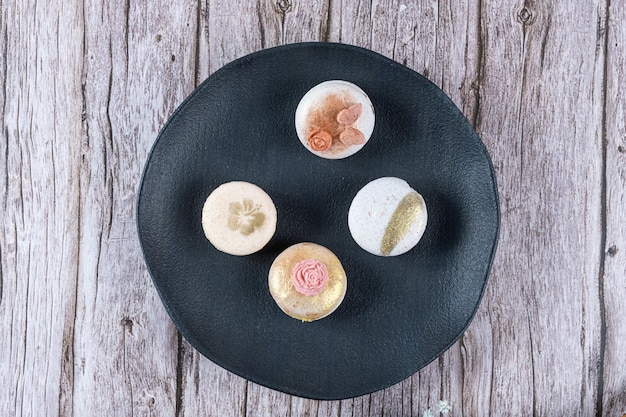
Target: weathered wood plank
column 613, row 290
column 303, row 21
column 138, row 66
column 4, row 136
column 230, row 30
column 509, row 383
column 540, row 111
column 41, row 118
column 261, row 401
column 206, row 389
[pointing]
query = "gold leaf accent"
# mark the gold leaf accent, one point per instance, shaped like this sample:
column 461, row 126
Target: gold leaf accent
column 401, row 220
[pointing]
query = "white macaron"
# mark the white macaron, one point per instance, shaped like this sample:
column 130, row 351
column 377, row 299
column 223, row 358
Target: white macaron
column 387, row 217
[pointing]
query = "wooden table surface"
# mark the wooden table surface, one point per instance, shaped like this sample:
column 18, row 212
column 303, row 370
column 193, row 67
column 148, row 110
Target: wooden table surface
column 86, row 86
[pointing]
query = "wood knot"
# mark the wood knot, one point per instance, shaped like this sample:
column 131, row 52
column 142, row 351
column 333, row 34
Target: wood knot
column 621, row 149
column 524, row 15
column 128, row 323
column 612, row 250
column 284, row 5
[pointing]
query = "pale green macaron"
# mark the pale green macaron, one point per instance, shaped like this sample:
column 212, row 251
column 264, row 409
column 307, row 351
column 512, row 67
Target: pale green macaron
column 239, row 218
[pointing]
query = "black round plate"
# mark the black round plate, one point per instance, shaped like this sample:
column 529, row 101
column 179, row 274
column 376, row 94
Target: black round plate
column 399, row 313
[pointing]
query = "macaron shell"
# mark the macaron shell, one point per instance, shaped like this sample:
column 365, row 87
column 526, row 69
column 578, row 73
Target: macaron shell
column 387, row 217
column 290, row 301
column 315, row 100
column 239, row 218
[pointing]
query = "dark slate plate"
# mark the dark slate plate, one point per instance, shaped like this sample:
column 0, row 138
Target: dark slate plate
column 399, row 313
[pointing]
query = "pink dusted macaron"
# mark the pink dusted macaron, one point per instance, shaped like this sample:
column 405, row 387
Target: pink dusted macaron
column 307, row 281
column 334, row 119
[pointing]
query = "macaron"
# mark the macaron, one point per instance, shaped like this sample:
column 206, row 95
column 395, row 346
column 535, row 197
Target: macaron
column 334, row 119
column 387, row 217
column 239, row 218
column 307, row 281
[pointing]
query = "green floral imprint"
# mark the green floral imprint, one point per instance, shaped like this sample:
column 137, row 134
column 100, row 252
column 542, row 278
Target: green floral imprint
column 245, row 218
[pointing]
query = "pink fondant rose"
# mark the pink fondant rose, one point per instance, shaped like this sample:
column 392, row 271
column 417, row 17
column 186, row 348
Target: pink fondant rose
column 309, row 277
column 320, row 140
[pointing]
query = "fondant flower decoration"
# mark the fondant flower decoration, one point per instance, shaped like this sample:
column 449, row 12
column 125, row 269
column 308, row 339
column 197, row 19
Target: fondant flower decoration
column 349, row 116
column 246, row 217
column 427, row 413
column 352, row 136
column 309, row 277
column 320, row 140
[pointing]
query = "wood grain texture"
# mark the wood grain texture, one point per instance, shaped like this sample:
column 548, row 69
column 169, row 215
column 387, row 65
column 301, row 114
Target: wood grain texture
column 85, row 88
column 118, row 309
column 544, row 296
column 613, row 280
column 41, row 122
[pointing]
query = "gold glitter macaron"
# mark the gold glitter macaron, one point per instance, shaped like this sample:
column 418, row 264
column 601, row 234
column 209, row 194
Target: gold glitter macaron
column 307, row 281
